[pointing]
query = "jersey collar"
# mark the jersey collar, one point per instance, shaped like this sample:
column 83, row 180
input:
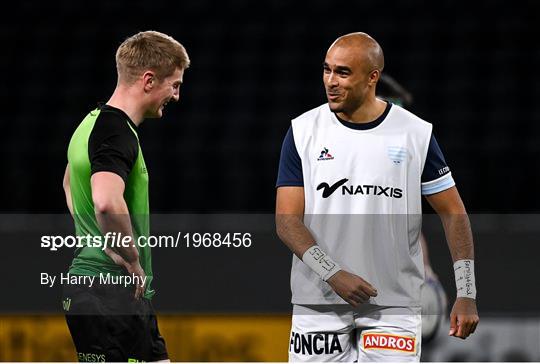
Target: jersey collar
column 368, row 125
column 105, row 107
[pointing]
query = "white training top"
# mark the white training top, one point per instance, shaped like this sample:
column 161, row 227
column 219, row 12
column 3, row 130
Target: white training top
column 363, row 185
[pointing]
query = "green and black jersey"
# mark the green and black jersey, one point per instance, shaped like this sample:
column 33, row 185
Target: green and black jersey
column 106, row 140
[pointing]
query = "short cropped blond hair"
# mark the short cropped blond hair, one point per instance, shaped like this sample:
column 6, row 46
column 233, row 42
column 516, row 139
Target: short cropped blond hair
column 149, row 50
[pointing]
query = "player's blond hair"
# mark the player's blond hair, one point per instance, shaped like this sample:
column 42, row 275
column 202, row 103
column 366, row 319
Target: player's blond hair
column 149, row 50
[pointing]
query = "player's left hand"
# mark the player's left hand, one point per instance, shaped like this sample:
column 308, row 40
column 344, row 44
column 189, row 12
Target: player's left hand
column 463, row 318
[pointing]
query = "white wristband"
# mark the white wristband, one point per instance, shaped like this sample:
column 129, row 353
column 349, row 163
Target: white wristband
column 464, row 273
column 320, row 262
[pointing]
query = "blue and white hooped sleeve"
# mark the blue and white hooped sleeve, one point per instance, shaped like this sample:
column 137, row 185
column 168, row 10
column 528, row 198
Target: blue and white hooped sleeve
column 436, row 176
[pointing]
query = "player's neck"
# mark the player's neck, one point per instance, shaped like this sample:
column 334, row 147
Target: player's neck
column 367, row 112
column 124, row 99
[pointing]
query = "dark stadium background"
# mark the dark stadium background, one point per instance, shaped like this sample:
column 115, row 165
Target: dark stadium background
column 472, row 67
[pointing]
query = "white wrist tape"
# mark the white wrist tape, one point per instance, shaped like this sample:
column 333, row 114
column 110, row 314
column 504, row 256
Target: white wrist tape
column 464, row 272
column 320, row 262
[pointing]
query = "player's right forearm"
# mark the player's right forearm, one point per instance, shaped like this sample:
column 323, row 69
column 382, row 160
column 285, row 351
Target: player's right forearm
column 114, row 217
column 292, row 231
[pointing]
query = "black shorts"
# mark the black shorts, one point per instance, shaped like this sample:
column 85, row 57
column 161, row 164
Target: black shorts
column 108, row 324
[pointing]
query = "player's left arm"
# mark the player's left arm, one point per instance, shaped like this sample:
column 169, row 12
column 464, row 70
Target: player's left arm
column 67, row 190
column 449, row 206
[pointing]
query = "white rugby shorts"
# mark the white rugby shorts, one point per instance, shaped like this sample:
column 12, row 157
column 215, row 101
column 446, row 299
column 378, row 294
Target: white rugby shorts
column 339, row 333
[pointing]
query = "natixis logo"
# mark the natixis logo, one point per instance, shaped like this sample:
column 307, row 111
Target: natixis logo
column 330, row 189
column 325, row 155
column 363, row 189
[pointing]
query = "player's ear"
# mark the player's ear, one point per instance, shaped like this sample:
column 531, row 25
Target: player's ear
column 374, row 77
column 149, row 80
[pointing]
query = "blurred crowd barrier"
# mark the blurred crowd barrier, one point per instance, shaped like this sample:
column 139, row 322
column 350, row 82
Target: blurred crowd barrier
column 189, row 338
column 497, row 339
column 239, row 338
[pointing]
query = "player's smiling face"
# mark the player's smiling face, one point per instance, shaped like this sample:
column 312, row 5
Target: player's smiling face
column 164, row 91
column 345, row 79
